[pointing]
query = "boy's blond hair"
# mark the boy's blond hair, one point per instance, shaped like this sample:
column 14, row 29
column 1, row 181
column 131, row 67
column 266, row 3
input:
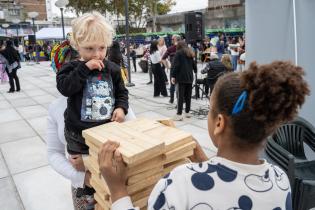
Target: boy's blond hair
column 91, row 27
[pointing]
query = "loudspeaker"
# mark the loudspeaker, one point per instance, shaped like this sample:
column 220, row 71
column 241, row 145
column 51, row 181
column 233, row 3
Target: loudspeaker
column 31, row 39
column 194, row 27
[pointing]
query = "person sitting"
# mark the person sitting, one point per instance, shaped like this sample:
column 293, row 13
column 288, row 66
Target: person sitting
column 245, row 108
column 214, row 69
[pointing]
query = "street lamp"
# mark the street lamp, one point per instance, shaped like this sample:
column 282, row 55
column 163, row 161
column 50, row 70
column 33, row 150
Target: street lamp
column 61, row 4
column 33, row 15
column 5, row 26
column 129, row 84
column 16, row 22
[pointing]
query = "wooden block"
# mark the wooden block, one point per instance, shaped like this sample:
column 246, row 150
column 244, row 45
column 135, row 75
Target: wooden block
column 100, row 184
column 98, row 207
column 134, row 145
column 144, row 193
column 91, row 145
column 94, row 153
column 142, row 124
column 92, row 165
column 179, row 152
column 167, row 122
column 172, row 137
column 139, row 139
column 104, row 204
column 144, row 184
column 141, row 203
column 133, row 169
column 169, row 167
column 179, row 156
column 141, row 176
column 103, row 191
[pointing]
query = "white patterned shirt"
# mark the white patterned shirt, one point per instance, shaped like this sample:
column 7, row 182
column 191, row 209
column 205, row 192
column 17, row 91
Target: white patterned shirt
column 219, row 184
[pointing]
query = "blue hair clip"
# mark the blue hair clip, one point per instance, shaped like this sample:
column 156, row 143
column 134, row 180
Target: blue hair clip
column 239, row 105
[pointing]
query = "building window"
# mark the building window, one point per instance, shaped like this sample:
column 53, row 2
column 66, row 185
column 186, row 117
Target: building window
column 14, row 12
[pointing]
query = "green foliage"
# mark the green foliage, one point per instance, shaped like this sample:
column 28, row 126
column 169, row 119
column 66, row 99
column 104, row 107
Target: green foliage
column 139, row 10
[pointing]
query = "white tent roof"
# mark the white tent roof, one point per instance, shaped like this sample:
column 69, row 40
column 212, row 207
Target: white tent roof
column 51, row 33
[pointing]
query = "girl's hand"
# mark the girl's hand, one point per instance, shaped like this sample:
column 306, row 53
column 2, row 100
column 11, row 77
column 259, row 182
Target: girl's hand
column 113, row 169
column 118, row 115
column 77, row 162
column 95, row 64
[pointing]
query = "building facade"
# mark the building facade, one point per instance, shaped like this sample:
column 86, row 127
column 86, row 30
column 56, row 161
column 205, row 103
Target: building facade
column 219, row 14
column 34, row 5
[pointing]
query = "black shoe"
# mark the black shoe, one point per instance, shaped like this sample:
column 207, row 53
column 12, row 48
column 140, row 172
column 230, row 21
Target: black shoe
column 171, row 100
column 10, row 91
column 149, row 83
column 18, row 90
column 165, row 95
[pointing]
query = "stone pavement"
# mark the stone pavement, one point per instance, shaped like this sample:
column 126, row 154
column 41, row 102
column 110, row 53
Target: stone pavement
column 26, row 180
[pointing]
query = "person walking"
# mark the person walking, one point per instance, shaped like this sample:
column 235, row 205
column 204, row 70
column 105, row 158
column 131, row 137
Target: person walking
column 12, row 65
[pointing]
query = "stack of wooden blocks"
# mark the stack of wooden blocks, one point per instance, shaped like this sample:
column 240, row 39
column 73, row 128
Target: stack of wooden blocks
column 150, row 149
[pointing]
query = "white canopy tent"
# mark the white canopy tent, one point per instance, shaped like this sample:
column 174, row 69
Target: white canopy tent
column 283, row 30
column 51, row 33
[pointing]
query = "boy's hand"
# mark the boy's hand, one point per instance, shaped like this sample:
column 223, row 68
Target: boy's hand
column 95, row 64
column 113, row 169
column 87, row 179
column 173, row 80
column 118, row 115
column 77, row 162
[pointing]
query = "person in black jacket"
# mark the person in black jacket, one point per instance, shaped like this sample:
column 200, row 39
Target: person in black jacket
column 182, row 74
column 214, row 69
column 13, row 64
column 94, row 86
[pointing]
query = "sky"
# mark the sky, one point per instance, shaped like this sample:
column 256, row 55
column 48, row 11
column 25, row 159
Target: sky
column 188, row 5
column 181, row 6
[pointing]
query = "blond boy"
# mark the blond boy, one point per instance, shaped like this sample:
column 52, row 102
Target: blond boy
column 94, row 87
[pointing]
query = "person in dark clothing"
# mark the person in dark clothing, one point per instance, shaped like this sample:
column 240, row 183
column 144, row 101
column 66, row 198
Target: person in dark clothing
column 182, row 74
column 214, row 69
column 13, row 64
column 170, row 52
column 133, row 56
column 114, row 54
column 159, row 79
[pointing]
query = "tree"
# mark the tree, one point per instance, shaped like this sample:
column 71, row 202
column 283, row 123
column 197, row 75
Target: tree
column 83, row 6
column 139, row 10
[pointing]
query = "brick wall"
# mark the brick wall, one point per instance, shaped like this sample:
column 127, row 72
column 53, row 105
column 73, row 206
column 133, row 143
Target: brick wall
column 35, row 6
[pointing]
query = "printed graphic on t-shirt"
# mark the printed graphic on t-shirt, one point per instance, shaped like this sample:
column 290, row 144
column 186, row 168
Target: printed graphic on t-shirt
column 98, row 98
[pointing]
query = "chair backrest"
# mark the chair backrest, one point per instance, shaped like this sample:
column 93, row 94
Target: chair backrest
column 290, row 136
column 309, row 131
column 279, row 155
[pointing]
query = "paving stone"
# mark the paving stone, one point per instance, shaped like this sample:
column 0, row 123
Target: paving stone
column 24, row 154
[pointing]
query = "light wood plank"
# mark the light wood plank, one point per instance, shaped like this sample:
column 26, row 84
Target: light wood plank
column 141, row 176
